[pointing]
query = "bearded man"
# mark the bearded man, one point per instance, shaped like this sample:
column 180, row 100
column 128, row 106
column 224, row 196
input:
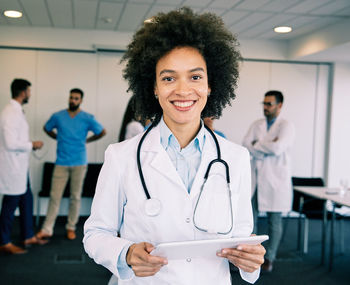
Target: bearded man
column 70, row 128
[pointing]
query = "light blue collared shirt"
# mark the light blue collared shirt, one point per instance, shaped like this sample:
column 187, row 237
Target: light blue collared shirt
column 186, row 160
column 270, row 123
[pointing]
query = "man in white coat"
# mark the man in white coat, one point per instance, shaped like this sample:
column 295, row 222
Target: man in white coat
column 15, row 147
column 269, row 142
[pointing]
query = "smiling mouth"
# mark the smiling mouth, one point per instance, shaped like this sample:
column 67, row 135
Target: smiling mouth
column 182, row 104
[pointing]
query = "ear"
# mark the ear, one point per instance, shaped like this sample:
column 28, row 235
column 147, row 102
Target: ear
column 21, row 94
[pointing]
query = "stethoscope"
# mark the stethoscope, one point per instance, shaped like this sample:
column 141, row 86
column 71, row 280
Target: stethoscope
column 153, row 206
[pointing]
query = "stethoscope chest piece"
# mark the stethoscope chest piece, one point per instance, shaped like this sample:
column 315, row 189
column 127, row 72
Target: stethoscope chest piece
column 152, row 207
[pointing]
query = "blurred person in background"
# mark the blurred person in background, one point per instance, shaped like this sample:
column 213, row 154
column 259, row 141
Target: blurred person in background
column 130, row 125
column 15, row 147
column 70, row 128
column 269, row 142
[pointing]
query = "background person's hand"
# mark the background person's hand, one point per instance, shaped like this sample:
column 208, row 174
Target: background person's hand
column 246, row 257
column 37, row 145
column 142, row 263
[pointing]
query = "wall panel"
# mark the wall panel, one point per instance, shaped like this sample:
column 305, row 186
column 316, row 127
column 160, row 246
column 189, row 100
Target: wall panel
column 112, row 98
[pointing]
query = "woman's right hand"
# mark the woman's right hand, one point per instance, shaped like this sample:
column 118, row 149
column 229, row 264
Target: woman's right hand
column 142, row 263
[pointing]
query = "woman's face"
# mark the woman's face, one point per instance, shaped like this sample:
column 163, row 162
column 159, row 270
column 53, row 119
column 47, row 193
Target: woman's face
column 182, row 86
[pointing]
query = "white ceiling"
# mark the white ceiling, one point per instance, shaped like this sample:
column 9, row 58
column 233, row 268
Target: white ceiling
column 250, row 19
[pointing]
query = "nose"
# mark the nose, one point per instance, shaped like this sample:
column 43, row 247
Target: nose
column 183, row 88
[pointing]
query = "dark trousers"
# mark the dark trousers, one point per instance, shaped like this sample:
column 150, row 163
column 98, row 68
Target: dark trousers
column 275, row 228
column 9, row 205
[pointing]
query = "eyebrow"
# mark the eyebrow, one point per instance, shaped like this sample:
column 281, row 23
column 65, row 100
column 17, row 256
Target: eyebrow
column 173, row 71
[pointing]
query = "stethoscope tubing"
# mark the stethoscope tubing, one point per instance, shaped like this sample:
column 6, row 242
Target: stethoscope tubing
column 138, row 158
column 217, row 160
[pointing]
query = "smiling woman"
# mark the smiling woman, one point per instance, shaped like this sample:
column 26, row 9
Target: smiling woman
column 205, row 33
column 182, row 89
column 180, row 67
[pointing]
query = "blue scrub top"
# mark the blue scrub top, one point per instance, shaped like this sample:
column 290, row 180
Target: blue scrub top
column 71, row 136
column 221, row 134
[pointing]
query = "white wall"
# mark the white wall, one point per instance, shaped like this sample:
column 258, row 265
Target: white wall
column 88, row 40
column 62, row 38
column 264, row 49
column 339, row 155
column 320, row 41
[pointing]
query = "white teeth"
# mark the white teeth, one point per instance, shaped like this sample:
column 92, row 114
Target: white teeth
column 183, row 104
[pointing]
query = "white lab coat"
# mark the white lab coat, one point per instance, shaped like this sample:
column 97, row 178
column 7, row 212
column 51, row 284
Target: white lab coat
column 271, row 164
column 15, row 148
column 118, row 206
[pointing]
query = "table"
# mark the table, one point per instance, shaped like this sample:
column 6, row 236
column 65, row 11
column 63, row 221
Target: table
column 336, row 198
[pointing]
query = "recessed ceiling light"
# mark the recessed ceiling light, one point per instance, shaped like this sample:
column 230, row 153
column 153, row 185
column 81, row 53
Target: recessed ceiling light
column 13, row 14
column 282, row 29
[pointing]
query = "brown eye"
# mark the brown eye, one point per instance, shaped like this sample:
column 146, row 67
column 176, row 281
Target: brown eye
column 167, row 78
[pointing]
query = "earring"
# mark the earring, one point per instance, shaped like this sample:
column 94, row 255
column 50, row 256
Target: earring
column 155, row 95
column 208, row 94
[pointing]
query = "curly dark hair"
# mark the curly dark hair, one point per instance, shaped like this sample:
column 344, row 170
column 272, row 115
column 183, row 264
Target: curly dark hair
column 182, row 28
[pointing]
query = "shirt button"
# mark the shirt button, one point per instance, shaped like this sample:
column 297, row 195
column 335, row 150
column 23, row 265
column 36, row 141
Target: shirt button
column 188, row 220
column 188, row 259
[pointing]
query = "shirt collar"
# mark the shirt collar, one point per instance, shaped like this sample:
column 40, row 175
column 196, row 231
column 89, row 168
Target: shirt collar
column 271, row 121
column 167, row 138
column 16, row 104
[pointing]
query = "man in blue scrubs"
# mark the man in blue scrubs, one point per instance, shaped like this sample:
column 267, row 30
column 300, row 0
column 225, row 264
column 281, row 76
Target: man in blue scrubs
column 70, row 128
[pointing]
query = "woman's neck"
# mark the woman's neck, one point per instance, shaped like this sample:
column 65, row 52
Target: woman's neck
column 184, row 133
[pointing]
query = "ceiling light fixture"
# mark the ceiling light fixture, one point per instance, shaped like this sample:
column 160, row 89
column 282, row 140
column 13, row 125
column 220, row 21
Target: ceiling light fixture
column 282, row 29
column 13, row 14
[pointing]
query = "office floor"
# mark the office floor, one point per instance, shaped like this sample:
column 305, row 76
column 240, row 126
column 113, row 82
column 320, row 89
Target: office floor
column 294, row 268
column 64, row 262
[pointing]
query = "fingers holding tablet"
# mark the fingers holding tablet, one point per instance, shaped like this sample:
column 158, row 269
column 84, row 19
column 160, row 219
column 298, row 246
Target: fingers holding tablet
column 246, row 257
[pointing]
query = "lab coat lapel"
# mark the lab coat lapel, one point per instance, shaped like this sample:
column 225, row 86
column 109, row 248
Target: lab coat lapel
column 263, row 128
column 161, row 161
column 274, row 125
column 209, row 153
column 272, row 131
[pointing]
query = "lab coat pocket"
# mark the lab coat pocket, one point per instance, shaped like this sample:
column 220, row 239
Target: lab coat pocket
column 213, row 210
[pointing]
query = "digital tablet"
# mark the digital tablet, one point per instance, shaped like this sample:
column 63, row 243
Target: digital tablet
column 202, row 248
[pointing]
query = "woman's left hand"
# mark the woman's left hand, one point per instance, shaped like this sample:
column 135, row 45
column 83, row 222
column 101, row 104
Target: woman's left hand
column 246, row 257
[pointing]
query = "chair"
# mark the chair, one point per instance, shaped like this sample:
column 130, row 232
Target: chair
column 310, row 208
column 93, row 170
column 307, row 206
